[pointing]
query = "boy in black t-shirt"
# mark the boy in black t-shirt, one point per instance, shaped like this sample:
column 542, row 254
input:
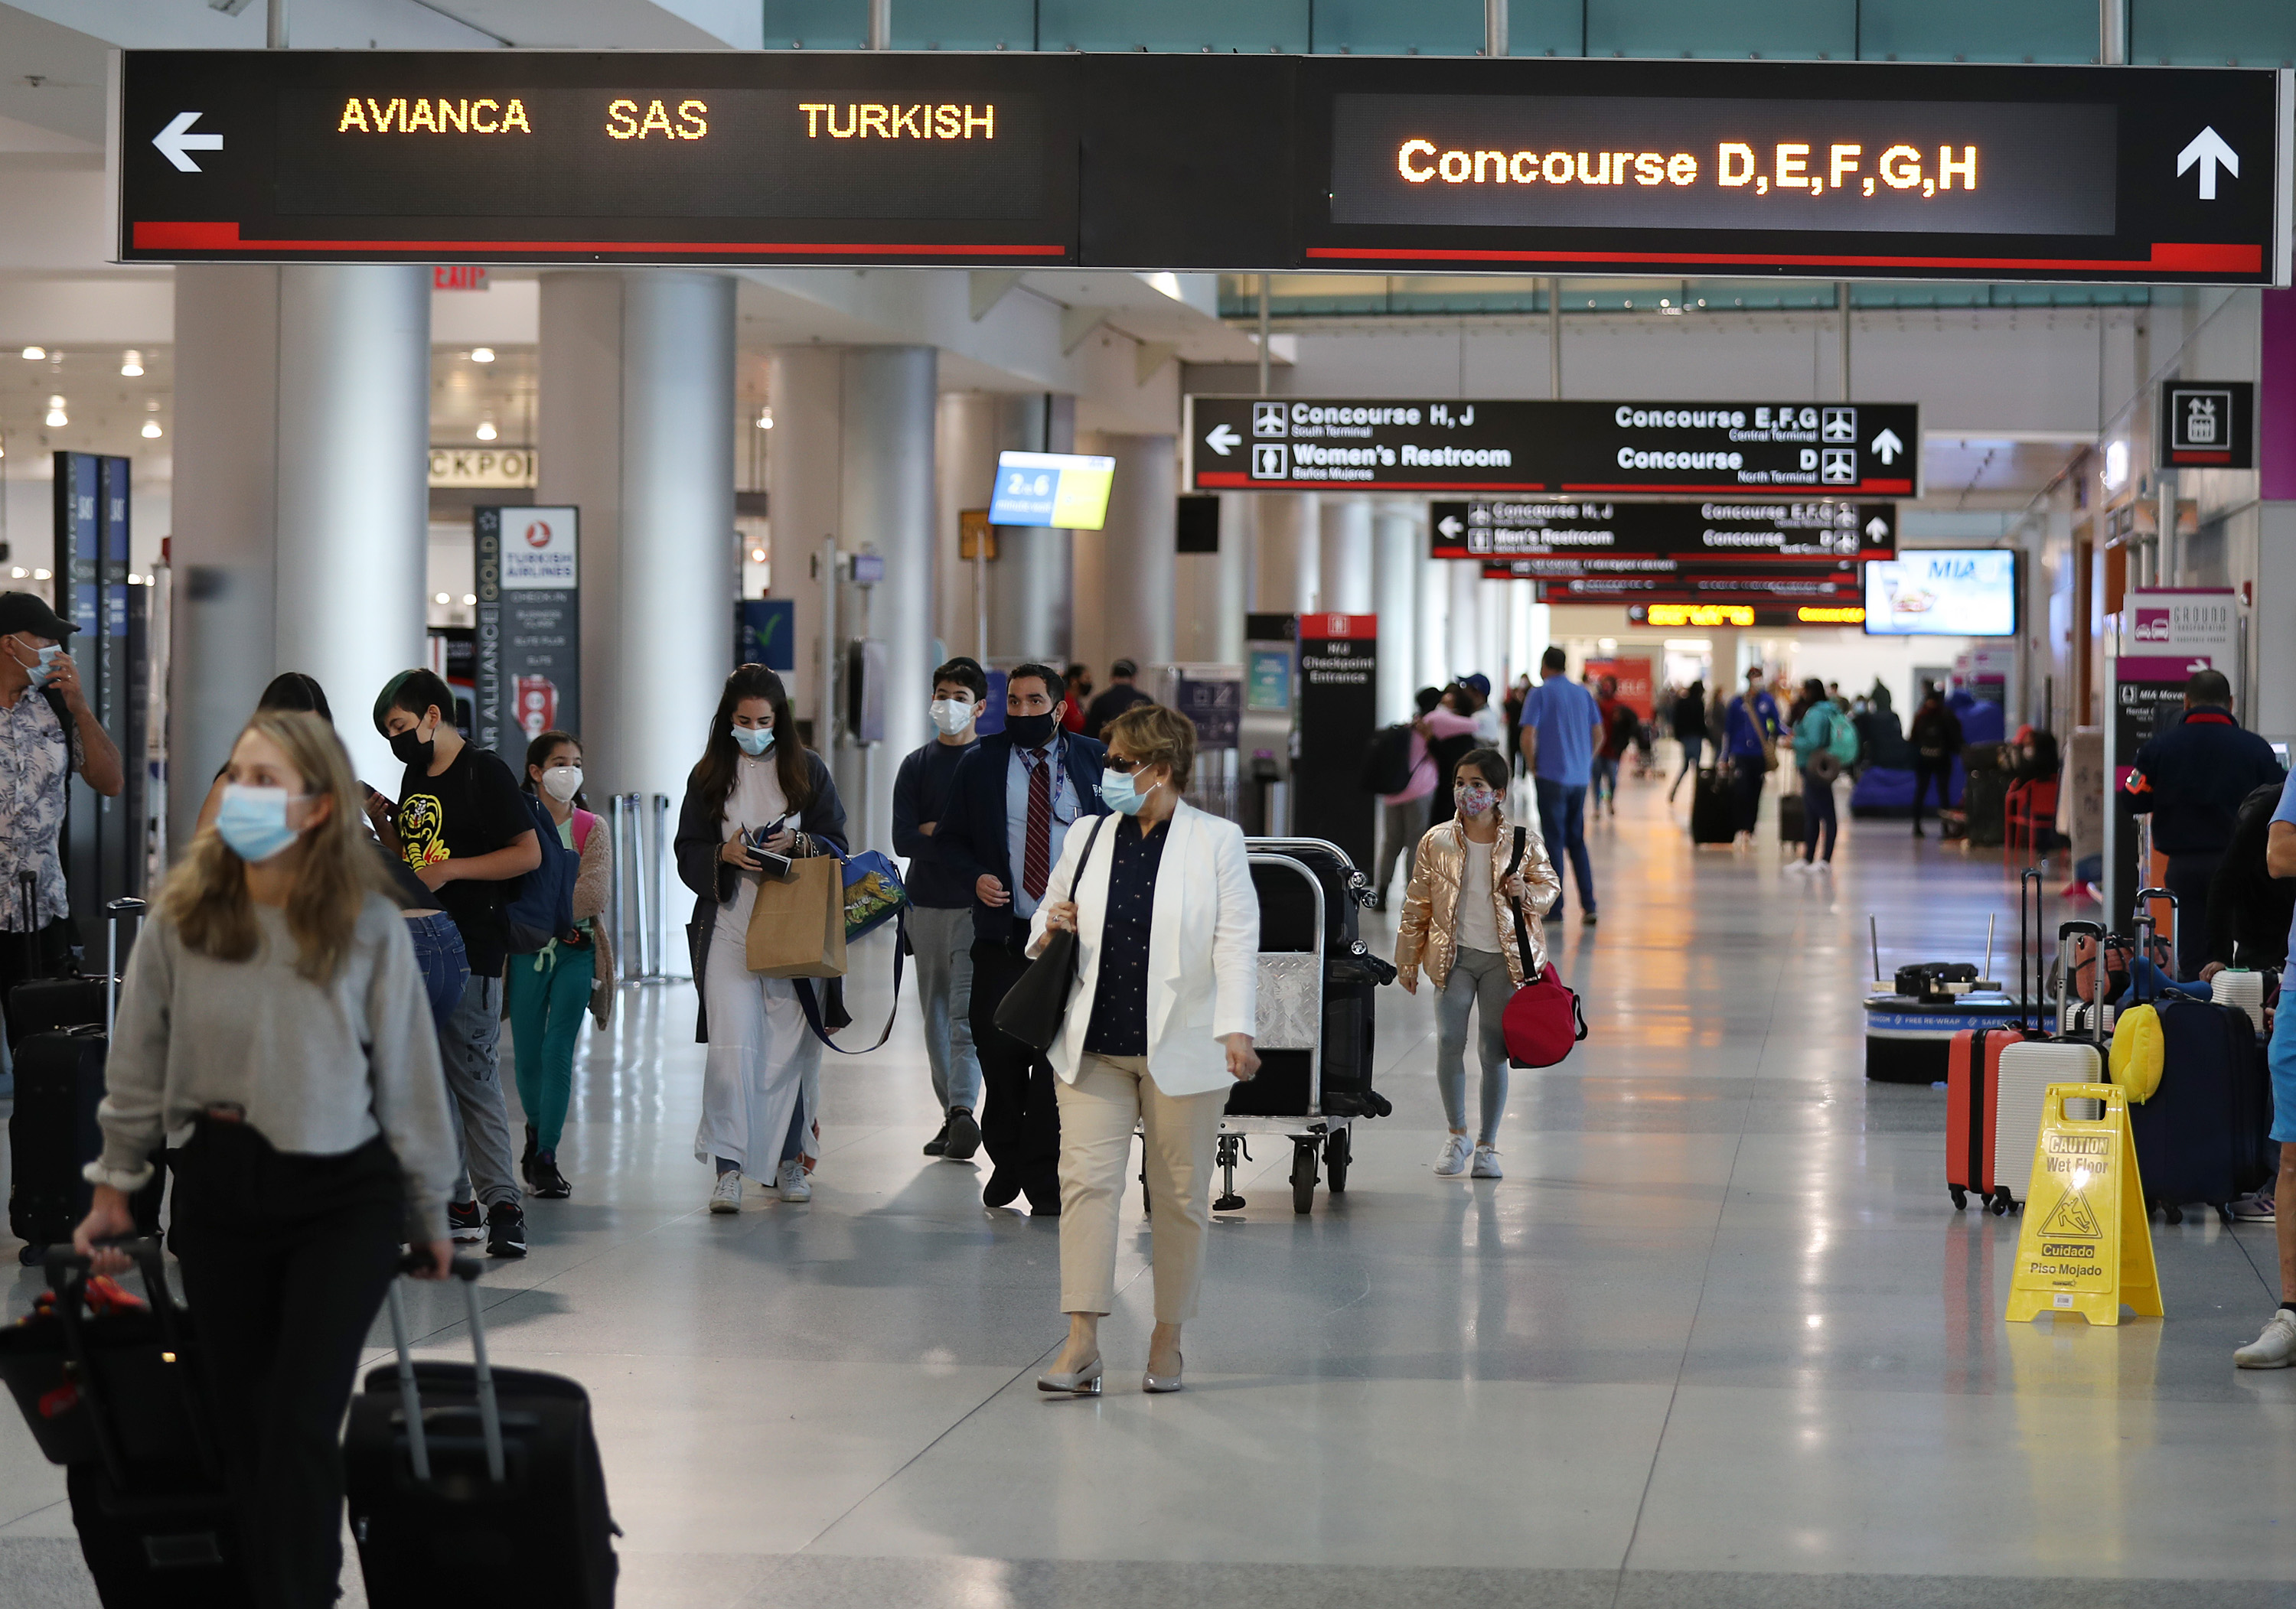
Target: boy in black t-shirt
column 465, row 832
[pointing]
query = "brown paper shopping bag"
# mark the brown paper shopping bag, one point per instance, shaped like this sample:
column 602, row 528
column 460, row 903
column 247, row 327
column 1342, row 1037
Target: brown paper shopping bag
column 797, row 928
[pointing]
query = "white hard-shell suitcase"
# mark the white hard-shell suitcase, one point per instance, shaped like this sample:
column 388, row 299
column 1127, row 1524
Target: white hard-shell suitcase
column 2027, row 1072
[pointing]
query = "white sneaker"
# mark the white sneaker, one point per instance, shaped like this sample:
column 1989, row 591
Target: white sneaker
column 727, row 1196
column 2276, row 1348
column 792, row 1181
column 1487, row 1163
column 1453, row 1162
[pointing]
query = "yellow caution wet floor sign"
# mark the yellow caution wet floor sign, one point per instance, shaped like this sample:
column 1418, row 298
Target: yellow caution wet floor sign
column 2086, row 1246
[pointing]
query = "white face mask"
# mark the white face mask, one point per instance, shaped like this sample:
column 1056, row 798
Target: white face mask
column 952, row 715
column 562, row 782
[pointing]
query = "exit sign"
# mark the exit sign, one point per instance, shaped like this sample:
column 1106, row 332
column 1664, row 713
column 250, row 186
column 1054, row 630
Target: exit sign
column 459, row 276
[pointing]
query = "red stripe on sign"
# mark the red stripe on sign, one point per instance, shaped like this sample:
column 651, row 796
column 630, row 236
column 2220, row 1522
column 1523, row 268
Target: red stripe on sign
column 1242, row 481
column 2168, row 257
column 226, row 237
column 1800, row 490
column 2182, row 456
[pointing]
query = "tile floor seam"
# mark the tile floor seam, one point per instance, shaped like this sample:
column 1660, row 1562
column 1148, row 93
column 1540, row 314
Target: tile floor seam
column 30, row 1514
column 1690, row 1330
column 2270, row 1281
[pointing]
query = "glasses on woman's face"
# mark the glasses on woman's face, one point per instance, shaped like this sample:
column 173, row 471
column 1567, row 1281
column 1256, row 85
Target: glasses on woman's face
column 1121, row 765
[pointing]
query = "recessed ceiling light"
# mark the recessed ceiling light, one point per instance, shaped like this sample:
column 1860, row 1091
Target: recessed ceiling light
column 766, row 419
column 131, row 364
column 151, row 429
column 57, row 418
column 756, row 555
column 34, row 354
column 482, row 355
column 469, row 598
column 486, row 429
column 440, row 598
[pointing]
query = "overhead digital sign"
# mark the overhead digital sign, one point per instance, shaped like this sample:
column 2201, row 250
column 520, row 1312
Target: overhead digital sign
column 1067, row 490
column 1943, row 593
column 1835, row 170
column 1417, row 444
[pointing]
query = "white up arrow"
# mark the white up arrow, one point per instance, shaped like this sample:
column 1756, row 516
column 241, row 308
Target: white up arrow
column 176, row 139
column 1877, row 527
column 1887, row 446
column 2209, row 151
column 1222, row 440
column 1449, row 525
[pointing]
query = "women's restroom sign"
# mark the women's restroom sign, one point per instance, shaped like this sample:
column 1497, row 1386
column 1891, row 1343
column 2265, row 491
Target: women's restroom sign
column 526, row 659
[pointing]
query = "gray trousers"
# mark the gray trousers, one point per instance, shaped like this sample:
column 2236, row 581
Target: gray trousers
column 470, row 1050
column 942, row 941
column 1400, row 829
column 1478, row 979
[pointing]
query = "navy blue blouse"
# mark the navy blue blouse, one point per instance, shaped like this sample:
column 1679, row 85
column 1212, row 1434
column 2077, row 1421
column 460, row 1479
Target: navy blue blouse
column 1120, row 1002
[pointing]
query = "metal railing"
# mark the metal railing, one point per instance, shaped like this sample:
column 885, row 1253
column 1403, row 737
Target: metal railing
column 641, row 891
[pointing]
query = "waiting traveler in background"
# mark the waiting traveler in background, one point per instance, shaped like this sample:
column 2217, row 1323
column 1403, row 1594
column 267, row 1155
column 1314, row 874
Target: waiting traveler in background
column 1561, row 725
column 1813, row 734
column 1403, row 816
column 2192, row 779
column 1936, row 738
column 2249, row 910
column 1609, row 747
column 1622, row 736
column 2276, row 1348
column 756, row 785
column 47, row 733
column 551, row 991
column 1458, row 927
column 1076, row 694
column 465, row 832
column 1513, row 713
column 1447, row 743
column 1011, row 806
column 940, row 907
column 1490, row 725
column 1158, row 1031
column 1121, row 695
column 273, row 1005
column 1689, row 731
column 1751, row 739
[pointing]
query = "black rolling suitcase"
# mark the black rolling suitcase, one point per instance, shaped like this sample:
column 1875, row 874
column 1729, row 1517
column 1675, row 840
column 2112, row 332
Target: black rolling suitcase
column 482, row 1482
column 1791, row 816
column 52, row 1132
column 40, row 1004
column 1713, row 808
column 112, row 1397
column 1351, row 975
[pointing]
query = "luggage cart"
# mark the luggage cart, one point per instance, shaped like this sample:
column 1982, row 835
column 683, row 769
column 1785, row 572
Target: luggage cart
column 1316, row 980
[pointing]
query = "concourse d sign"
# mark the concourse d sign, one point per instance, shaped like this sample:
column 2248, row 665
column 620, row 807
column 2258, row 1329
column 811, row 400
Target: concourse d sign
column 1238, row 443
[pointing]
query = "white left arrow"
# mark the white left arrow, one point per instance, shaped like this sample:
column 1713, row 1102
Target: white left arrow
column 1449, row 526
column 1887, row 446
column 1222, row 440
column 176, row 138
column 2209, row 151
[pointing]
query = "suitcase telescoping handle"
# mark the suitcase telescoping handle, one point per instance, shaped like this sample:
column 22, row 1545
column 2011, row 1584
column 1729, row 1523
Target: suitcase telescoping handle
column 121, row 911
column 2029, row 942
column 2149, row 930
column 410, row 1395
column 28, row 885
column 2077, row 930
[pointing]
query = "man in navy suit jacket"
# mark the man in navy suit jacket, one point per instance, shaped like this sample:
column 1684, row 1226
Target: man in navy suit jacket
column 1011, row 803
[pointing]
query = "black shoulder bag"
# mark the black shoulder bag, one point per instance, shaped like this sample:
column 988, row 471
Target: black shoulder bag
column 1035, row 1006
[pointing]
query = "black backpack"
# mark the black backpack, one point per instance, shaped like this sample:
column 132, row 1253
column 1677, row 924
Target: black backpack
column 1387, row 763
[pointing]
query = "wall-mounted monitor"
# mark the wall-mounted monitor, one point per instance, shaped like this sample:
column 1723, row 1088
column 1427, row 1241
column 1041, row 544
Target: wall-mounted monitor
column 1063, row 489
column 1942, row 592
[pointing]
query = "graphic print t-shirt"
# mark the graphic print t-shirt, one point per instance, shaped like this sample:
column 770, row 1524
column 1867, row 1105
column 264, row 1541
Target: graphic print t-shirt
column 471, row 808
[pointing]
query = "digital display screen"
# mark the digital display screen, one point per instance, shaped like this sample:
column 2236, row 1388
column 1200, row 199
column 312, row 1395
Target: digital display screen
column 1891, row 166
column 1066, row 490
column 1943, row 593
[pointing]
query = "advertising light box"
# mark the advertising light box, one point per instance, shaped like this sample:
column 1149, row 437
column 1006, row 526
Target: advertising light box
column 1068, row 490
column 1943, row 593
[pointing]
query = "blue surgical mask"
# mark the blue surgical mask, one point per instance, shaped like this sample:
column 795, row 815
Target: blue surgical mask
column 253, row 820
column 46, row 666
column 1121, row 794
column 754, row 739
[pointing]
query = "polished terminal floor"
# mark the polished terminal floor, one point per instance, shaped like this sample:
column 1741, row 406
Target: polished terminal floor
column 1718, row 1338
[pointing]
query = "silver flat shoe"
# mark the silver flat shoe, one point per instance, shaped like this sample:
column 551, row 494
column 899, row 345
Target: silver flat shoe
column 1155, row 1384
column 1084, row 1382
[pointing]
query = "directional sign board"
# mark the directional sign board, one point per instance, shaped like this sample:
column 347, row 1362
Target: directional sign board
column 1560, row 537
column 1829, row 170
column 1414, row 444
column 2206, row 424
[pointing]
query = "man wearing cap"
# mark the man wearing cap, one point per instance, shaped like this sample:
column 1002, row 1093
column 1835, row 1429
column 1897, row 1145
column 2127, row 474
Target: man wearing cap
column 1490, row 725
column 1120, row 696
column 47, row 731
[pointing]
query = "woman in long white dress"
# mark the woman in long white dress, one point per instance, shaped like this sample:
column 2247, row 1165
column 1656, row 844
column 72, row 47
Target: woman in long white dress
column 764, row 1061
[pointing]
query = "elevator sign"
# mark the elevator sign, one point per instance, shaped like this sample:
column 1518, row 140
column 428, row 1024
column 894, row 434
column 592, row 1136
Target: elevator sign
column 1292, row 445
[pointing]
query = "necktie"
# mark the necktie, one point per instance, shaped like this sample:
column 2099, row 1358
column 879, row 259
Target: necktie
column 1036, row 862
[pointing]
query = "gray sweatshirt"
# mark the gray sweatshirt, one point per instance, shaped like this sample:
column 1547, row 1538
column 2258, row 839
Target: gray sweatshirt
column 319, row 1069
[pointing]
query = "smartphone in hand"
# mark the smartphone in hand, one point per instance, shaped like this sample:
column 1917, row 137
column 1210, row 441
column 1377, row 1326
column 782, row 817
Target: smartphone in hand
column 778, row 867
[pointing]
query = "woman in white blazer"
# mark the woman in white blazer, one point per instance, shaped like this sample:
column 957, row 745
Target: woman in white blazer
column 1159, row 1029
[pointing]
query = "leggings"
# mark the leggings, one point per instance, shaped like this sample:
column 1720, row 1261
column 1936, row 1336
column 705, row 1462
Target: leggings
column 1479, row 977
column 549, row 996
column 1692, row 749
column 1817, row 817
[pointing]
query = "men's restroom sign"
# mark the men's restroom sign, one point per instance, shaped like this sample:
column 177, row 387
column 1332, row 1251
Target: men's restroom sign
column 2206, row 424
column 2086, row 1245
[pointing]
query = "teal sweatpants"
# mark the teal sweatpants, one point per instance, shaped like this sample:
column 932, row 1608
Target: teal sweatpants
column 546, row 1008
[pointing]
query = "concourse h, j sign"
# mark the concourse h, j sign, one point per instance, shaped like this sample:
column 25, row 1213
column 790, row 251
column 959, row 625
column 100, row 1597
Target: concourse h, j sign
column 1245, row 443
column 1832, row 170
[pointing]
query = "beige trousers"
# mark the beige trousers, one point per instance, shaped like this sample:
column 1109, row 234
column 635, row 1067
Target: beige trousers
column 1097, row 1113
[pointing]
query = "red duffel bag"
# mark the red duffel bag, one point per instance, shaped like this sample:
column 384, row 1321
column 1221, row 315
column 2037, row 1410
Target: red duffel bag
column 1544, row 1019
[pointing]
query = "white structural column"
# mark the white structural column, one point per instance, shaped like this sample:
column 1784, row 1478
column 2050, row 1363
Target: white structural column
column 1434, row 655
column 1491, row 633
column 1138, row 557
column 636, row 429
column 1395, row 598
column 1285, row 554
column 1463, row 631
column 1345, row 556
column 1219, row 621
column 354, row 494
column 1027, row 584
